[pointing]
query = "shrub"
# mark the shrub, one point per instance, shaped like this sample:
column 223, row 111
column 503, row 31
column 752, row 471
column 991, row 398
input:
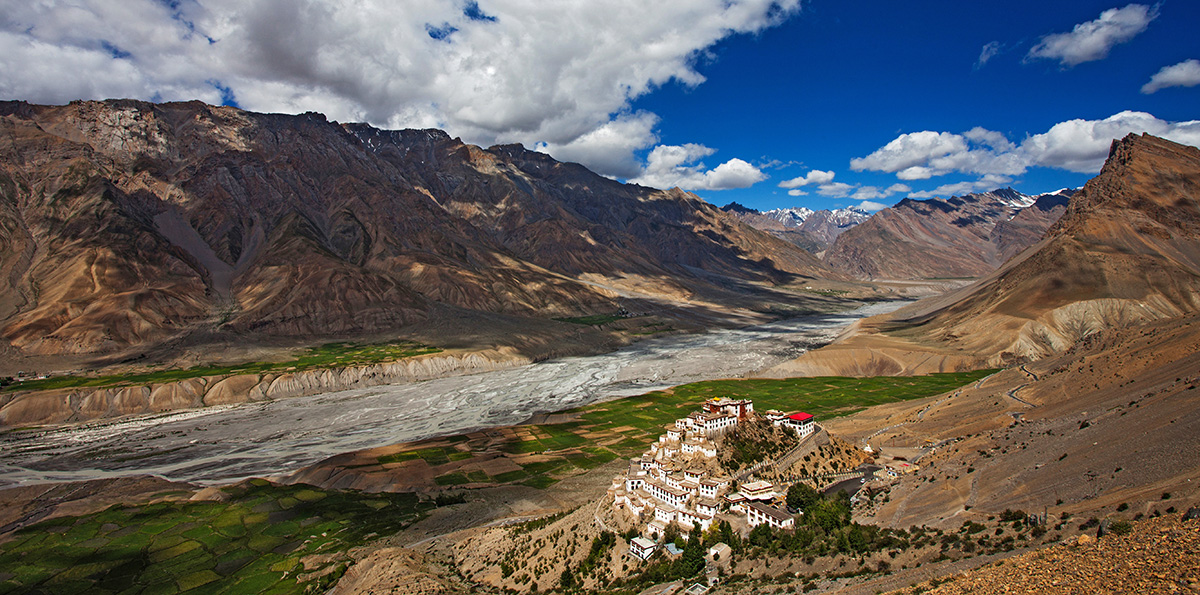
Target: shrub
column 1120, row 527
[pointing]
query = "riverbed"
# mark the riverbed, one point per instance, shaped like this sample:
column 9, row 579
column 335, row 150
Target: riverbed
column 224, row 444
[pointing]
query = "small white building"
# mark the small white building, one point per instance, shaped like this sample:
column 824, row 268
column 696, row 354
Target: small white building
column 758, row 490
column 642, row 548
column 802, row 423
column 711, row 487
column 758, row 513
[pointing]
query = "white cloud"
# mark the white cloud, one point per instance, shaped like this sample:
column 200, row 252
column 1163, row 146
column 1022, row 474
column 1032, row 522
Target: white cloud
column 990, row 50
column 610, row 148
column 815, row 176
column 836, row 189
column 874, row 192
column 871, row 206
column 1082, row 145
column 1184, row 74
column 858, row 192
column 1092, row 40
column 797, row 192
column 679, row 165
column 922, row 155
column 563, row 74
column 1074, row 145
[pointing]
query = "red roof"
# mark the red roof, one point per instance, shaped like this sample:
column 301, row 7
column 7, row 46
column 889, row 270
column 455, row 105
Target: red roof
column 800, row 416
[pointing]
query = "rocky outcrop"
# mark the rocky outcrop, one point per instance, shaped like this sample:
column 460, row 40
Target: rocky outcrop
column 84, row 404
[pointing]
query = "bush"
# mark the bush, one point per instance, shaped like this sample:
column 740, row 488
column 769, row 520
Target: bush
column 1120, row 527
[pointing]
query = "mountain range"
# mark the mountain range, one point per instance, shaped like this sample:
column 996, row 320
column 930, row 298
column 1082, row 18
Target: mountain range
column 1125, row 252
column 128, row 225
column 963, row 236
column 812, row 230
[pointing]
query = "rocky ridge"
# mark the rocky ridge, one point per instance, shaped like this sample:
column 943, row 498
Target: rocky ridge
column 1126, row 252
column 812, row 230
column 85, row 404
column 963, row 236
column 130, row 225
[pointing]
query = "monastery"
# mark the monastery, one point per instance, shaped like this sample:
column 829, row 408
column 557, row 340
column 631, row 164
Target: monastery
column 677, row 479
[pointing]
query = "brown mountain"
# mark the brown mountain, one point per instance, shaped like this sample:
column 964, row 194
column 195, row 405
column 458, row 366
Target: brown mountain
column 812, row 230
column 1127, row 251
column 963, row 236
column 128, row 224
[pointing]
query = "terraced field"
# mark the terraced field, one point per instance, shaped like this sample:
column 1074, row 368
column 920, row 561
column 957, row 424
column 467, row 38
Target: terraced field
column 264, row 538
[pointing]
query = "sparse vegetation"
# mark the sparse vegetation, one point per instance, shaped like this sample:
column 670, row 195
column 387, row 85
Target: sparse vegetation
column 329, row 355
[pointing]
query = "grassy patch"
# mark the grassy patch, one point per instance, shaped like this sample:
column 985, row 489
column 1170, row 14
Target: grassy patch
column 540, row 482
column 451, row 479
column 593, row 320
column 191, row 547
column 329, row 355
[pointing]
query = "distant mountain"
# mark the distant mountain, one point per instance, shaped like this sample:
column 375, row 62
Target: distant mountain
column 1126, row 253
column 129, row 224
column 812, row 230
column 963, row 236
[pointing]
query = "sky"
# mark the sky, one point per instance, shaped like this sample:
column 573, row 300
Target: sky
column 770, row 103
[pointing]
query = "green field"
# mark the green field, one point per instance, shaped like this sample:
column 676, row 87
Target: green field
column 824, row 397
column 625, row 428
column 252, row 543
column 329, row 355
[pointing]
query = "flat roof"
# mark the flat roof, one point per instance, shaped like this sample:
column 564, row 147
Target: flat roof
column 642, row 542
column 770, row 511
column 800, row 416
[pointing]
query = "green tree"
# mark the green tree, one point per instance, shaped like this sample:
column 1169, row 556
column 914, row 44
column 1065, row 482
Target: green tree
column 801, row 496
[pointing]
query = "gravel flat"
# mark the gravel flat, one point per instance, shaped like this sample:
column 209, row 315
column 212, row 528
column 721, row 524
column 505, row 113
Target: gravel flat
column 222, row 444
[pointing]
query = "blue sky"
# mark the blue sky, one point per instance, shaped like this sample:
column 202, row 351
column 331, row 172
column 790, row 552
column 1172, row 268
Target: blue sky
column 842, row 79
column 772, row 103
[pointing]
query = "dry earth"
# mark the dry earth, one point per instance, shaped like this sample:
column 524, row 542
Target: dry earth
column 1161, row 555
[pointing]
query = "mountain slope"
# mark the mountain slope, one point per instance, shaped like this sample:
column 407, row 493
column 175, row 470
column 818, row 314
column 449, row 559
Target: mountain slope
column 967, row 236
column 1127, row 251
column 812, row 230
column 128, row 224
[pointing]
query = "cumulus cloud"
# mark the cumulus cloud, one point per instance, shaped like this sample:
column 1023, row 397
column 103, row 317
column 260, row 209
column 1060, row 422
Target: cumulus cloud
column 489, row 71
column 679, row 165
column 610, row 148
column 990, row 50
column 815, row 176
column 1184, row 74
column 859, row 192
column 1092, row 40
column 1082, row 145
column 922, row 155
column 870, row 206
column 797, row 192
column 1075, row 145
